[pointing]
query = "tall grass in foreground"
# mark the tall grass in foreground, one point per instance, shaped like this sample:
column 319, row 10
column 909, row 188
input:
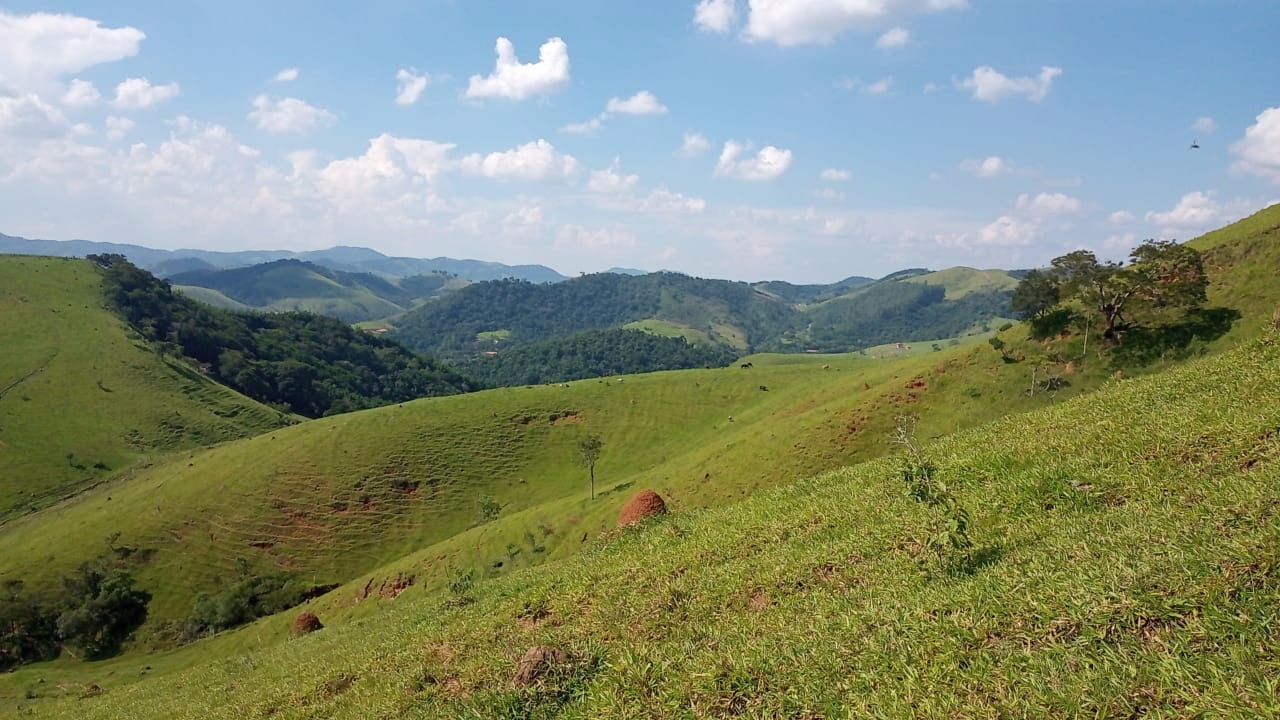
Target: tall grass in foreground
column 1126, row 554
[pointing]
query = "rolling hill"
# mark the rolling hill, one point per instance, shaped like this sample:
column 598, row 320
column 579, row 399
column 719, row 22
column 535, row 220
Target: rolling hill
column 850, row 315
column 296, row 285
column 82, row 397
column 310, row 364
column 1120, row 560
column 344, row 258
column 435, row 513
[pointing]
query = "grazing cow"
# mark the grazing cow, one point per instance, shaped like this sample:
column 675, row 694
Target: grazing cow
column 765, row 388
column 826, row 367
column 745, row 365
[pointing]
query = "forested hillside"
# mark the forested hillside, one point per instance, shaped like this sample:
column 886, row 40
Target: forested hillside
column 284, row 285
column 81, row 398
column 840, row 317
column 594, row 353
column 308, row 364
column 518, row 312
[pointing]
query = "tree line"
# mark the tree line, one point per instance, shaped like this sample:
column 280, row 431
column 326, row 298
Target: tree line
column 885, row 311
column 594, row 353
column 1142, row 310
column 91, row 614
column 298, row 362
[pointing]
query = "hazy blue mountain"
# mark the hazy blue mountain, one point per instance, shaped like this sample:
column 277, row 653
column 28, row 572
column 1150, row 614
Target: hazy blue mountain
column 344, row 258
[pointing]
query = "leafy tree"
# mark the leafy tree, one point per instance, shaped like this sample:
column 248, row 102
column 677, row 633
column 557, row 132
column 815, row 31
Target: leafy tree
column 1037, row 294
column 249, row 598
column 28, row 631
column 1162, row 276
column 308, row 364
column 105, row 608
column 589, row 449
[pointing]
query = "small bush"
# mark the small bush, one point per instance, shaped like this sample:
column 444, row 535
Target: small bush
column 246, row 600
column 946, row 545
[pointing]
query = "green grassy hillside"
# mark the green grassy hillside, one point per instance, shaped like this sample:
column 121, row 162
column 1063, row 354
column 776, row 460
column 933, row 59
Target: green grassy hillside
column 961, row 281
column 332, row 499
column 81, row 399
column 211, row 297
column 293, row 285
column 1242, row 260
column 844, row 316
column 1124, row 563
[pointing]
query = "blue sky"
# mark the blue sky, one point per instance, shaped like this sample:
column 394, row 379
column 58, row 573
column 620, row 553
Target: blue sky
column 804, row 140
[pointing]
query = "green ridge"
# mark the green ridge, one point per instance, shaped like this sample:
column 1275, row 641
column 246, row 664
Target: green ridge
column 82, row 399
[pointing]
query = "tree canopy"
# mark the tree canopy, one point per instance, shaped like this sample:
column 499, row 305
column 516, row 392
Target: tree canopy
column 304, row 363
column 1162, row 277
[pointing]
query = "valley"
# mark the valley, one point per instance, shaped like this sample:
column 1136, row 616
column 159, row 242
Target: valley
column 463, row 522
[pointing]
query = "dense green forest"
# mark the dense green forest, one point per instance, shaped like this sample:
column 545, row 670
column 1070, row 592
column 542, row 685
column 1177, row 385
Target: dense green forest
column 594, row 353
column 299, row 285
column 526, row 313
column 899, row 312
column 308, row 364
column 731, row 315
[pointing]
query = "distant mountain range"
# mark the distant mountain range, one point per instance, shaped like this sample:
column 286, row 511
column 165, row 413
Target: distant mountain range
column 459, row 309
column 855, row 313
column 167, row 263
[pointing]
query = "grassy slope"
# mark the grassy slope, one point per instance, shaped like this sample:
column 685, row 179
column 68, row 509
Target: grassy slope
column 295, row 286
column 328, row 506
column 960, row 281
column 666, row 328
column 834, row 423
column 1242, row 259
column 73, row 382
column 1128, row 544
column 212, row 297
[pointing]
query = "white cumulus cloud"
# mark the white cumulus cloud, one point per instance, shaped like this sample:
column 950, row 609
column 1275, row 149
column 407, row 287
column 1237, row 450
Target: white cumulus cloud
column 537, row 160
column 1258, row 152
column 988, row 167
column 139, row 94
column 288, row 74
column 715, row 16
column 81, row 94
column 409, row 85
column 879, row 87
column 610, row 180
column 599, row 238
column 767, row 164
column 516, row 81
column 288, row 115
column 28, row 116
column 1199, row 211
column 893, row 38
column 38, row 49
column 1120, row 217
column 663, row 200
column 835, row 175
column 797, row 22
column 585, row 127
column 118, row 127
column 1047, row 204
column 1008, row 230
column 642, row 103
column 693, row 145
column 1204, row 124
column 990, row 85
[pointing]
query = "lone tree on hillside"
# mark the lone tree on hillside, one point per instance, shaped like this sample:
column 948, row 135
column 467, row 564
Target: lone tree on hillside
column 1036, row 295
column 589, row 449
column 1162, row 275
